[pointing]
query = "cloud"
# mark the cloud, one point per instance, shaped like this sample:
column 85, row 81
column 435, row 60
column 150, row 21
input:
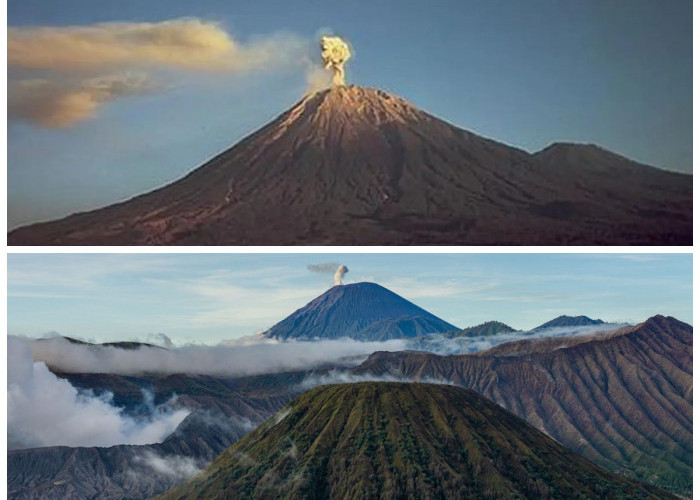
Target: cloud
column 324, row 267
column 250, row 356
column 338, row 270
column 440, row 344
column 190, row 44
column 317, row 78
column 43, row 410
column 160, row 339
column 256, row 354
column 60, row 104
column 71, row 68
column 173, row 466
column 343, row 377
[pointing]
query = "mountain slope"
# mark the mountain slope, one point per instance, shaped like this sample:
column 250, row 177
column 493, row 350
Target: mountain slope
column 623, row 400
column 569, row 321
column 390, row 440
column 361, row 311
column 223, row 411
column 354, row 165
column 484, row 330
column 123, row 471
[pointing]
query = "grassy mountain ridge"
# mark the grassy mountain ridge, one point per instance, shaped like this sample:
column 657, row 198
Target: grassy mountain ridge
column 394, row 440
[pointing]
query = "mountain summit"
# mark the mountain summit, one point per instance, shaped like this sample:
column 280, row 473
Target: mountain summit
column 354, row 165
column 568, row 321
column 361, row 311
column 389, row 440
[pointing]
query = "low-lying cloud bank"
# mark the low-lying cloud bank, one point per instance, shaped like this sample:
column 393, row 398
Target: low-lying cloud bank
column 43, row 410
column 441, row 344
column 249, row 357
column 343, row 377
column 256, row 354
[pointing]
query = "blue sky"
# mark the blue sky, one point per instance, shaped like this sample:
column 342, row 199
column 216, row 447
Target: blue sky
column 207, row 298
column 618, row 74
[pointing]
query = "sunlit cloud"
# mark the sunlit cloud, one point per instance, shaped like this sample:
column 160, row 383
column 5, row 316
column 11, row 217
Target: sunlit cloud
column 60, row 76
column 59, row 104
column 190, row 44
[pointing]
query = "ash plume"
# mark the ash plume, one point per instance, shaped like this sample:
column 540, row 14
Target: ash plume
column 338, row 270
column 323, row 267
column 60, row 104
column 335, row 52
column 338, row 278
column 60, row 76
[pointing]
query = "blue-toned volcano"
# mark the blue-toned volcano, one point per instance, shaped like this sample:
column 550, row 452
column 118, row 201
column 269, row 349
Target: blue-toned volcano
column 361, row 311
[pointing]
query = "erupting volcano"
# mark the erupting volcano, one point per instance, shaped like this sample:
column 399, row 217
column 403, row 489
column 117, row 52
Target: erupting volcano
column 353, row 165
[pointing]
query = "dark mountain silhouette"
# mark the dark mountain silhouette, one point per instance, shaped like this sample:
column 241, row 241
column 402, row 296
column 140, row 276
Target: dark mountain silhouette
column 622, row 399
column 354, row 165
column 569, row 321
column 362, row 311
column 128, row 345
column 391, row 440
column 483, row 330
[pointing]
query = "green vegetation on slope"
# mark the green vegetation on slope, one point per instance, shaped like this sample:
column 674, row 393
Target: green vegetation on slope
column 391, row 440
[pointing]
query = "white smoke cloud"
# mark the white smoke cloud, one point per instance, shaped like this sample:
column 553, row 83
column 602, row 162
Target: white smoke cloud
column 338, row 277
column 43, row 410
column 59, row 76
column 338, row 270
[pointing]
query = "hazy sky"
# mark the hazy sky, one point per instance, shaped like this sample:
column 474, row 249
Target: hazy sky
column 206, row 298
column 94, row 123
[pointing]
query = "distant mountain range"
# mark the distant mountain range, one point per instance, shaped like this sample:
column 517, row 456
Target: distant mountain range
column 622, row 399
column 369, row 312
column 360, row 311
column 392, row 440
column 358, row 166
